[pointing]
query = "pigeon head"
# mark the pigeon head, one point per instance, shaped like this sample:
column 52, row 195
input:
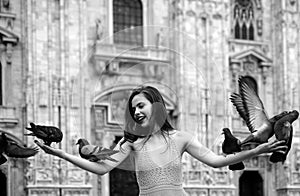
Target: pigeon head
column 294, row 115
column 226, row 131
column 32, row 125
column 82, row 142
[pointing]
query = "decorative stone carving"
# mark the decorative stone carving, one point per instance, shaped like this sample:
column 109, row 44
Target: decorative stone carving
column 292, row 5
column 100, row 67
column 29, row 171
column 176, row 9
column 73, row 192
column 293, row 2
column 259, row 25
column 88, row 177
column 42, row 192
column 160, row 38
column 265, row 73
column 249, row 66
column 207, row 178
column 5, row 6
column 73, row 140
column 252, row 163
column 100, row 117
column 99, row 29
column 76, row 176
column 44, row 175
column 9, row 50
column 297, row 159
column 43, row 89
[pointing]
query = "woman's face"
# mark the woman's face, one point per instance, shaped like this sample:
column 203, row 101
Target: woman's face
column 142, row 108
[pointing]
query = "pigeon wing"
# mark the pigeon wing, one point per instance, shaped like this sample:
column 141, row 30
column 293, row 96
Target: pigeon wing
column 36, row 131
column 253, row 105
column 88, row 150
column 17, row 151
column 54, row 133
column 289, row 141
column 237, row 101
column 105, row 153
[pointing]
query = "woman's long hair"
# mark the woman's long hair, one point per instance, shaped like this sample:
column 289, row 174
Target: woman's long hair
column 159, row 115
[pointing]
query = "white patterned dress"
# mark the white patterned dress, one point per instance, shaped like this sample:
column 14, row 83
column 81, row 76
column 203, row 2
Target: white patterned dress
column 155, row 180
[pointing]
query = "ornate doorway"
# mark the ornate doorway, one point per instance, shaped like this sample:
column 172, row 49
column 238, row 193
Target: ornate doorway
column 3, row 184
column 123, row 182
column 251, row 184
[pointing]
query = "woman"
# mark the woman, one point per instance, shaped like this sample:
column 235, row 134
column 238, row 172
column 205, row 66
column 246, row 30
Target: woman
column 157, row 147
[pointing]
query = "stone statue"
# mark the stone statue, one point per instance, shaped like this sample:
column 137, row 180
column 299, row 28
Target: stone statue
column 99, row 29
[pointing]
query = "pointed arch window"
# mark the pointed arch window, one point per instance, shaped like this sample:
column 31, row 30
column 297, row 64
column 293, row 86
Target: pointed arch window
column 243, row 20
column 128, row 22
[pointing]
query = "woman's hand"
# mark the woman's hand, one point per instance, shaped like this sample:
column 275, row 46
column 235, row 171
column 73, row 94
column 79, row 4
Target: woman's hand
column 50, row 150
column 271, row 146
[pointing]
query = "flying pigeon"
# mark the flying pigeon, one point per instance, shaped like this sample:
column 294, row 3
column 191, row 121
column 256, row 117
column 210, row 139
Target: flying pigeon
column 12, row 149
column 48, row 134
column 251, row 109
column 231, row 145
column 94, row 153
column 284, row 131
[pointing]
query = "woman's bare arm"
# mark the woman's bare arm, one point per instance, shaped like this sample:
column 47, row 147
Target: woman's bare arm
column 205, row 155
column 99, row 168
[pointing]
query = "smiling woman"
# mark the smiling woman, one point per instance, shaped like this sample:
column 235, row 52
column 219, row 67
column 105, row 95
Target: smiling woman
column 146, row 112
column 156, row 148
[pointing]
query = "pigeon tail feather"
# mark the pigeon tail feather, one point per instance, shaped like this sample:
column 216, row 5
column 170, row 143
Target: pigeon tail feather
column 2, row 159
column 248, row 139
column 237, row 166
column 277, row 157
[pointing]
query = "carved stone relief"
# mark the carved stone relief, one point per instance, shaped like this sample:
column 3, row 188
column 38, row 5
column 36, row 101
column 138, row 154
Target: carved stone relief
column 99, row 28
column 292, row 5
column 5, row 6
column 201, row 174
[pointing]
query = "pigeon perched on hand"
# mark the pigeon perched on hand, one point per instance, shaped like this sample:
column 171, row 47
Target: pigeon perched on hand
column 94, row 153
column 12, row 149
column 48, row 134
column 231, row 145
column 251, row 109
column 284, row 131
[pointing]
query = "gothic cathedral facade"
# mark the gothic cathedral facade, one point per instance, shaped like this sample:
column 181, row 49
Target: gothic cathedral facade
column 73, row 63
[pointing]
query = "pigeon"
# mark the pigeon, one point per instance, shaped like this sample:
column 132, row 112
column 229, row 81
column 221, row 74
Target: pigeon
column 251, row 109
column 48, row 134
column 12, row 149
column 284, row 131
column 231, row 145
column 94, row 153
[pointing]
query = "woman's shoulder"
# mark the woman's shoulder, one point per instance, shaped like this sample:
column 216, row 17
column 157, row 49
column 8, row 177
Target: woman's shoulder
column 180, row 133
column 181, row 136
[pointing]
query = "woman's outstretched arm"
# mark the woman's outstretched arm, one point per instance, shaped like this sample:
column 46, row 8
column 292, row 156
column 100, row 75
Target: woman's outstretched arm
column 205, row 155
column 99, row 168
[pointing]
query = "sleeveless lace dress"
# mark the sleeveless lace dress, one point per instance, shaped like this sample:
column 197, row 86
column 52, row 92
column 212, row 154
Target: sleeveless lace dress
column 155, row 180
